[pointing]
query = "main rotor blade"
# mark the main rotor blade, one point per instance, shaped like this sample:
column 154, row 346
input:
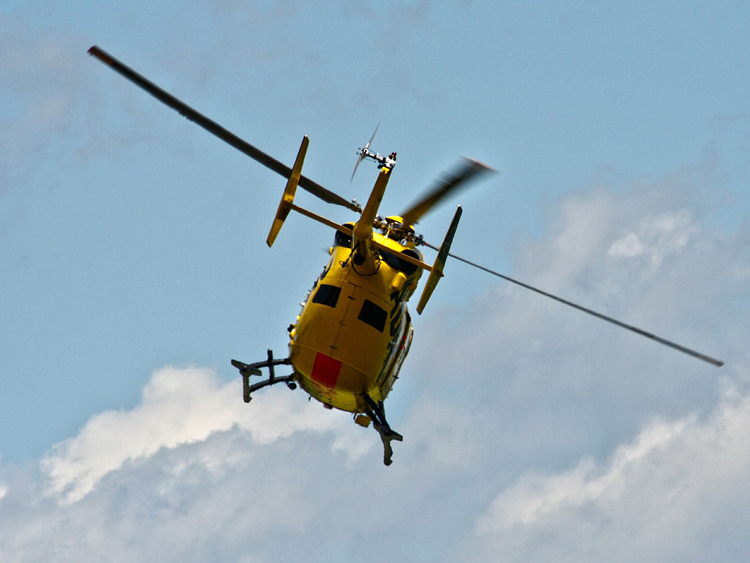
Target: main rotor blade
column 467, row 170
column 665, row 342
column 216, row 129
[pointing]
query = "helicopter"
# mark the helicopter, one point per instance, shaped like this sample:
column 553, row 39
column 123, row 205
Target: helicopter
column 350, row 340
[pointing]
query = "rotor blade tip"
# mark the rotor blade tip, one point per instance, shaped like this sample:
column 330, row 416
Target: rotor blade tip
column 99, row 54
column 478, row 165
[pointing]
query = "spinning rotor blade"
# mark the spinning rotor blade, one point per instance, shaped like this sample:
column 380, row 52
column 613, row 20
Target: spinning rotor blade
column 363, row 152
column 223, row 134
column 683, row 349
column 468, row 169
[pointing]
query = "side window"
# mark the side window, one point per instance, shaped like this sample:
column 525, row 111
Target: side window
column 327, row 295
column 341, row 239
column 373, row 315
column 402, row 265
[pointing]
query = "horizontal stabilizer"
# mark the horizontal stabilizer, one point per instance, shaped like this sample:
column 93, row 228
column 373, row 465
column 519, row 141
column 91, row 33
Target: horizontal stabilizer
column 437, row 268
column 285, row 206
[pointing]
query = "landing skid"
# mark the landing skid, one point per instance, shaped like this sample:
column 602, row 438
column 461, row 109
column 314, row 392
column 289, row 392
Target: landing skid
column 387, row 434
column 375, row 412
column 246, row 370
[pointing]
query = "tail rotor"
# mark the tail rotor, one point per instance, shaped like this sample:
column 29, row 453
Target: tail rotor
column 365, row 152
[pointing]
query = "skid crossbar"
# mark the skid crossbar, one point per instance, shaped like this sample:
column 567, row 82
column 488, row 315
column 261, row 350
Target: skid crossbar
column 246, row 370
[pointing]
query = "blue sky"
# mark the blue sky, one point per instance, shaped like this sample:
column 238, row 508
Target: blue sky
column 133, row 267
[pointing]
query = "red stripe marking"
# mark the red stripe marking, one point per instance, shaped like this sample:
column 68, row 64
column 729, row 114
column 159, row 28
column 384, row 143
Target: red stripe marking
column 326, row 370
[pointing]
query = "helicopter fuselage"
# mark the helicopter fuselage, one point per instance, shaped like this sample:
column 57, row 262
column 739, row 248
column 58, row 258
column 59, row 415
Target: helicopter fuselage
column 354, row 330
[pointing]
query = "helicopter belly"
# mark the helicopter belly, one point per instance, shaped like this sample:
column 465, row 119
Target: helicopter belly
column 330, row 380
column 339, row 350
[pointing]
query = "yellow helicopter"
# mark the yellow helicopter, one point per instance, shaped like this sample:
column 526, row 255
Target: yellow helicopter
column 350, row 340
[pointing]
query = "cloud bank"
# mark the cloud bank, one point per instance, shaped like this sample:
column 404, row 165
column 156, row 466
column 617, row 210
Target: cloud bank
column 179, row 406
column 536, row 434
column 678, row 492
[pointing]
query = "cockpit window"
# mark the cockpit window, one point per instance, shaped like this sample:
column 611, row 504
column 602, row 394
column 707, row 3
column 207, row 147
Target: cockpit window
column 343, row 239
column 373, row 315
column 401, row 265
column 327, row 295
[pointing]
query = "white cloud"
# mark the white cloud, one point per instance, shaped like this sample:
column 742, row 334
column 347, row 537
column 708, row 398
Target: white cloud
column 657, row 498
column 179, row 406
column 656, row 239
column 644, row 257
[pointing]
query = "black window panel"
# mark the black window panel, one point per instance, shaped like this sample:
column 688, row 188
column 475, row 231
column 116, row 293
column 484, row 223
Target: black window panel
column 327, row 295
column 398, row 264
column 373, row 315
column 342, row 239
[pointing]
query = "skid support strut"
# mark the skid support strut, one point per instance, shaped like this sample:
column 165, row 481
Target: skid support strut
column 387, row 434
column 246, row 370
